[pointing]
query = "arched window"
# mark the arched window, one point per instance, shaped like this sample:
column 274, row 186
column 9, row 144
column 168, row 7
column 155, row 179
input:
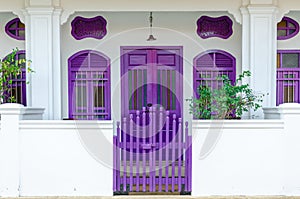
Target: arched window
column 18, row 86
column 288, row 76
column 15, row 29
column 287, row 28
column 89, row 86
column 210, row 65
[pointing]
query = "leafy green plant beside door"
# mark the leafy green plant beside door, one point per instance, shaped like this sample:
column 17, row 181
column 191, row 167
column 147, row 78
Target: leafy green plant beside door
column 227, row 102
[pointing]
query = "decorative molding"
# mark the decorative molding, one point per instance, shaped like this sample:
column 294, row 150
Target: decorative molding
column 88, row 27
column 214, row 27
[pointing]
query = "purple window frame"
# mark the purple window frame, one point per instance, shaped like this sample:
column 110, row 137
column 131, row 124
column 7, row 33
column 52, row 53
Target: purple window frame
column 287, row 28
column 20, row 81
column 107, row 84
column 214, row 27
column 210, row 73
column 89, row 27
column 8, row 28
column 287, row 77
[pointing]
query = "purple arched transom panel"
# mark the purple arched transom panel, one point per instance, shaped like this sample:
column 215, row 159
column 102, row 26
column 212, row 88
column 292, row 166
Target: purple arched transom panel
column 89, row 27
column 210, row 65
column 15, row 29
column 214, row 27
column 287, row 28
column 89, row 86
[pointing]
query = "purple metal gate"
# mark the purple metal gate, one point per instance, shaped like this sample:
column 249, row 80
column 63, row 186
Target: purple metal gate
column 155, row 157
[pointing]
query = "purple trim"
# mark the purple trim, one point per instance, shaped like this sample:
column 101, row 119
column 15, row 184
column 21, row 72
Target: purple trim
column 214, row 27
column 287, row 28
column 88, row 27
column 16, row 29
column 84, row 65
column 210, row 64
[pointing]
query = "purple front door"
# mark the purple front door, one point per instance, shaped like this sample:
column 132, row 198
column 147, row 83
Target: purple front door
column 151, row 76
column 153, row 146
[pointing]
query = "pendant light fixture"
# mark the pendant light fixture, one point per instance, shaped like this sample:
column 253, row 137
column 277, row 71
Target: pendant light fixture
column 151, row 37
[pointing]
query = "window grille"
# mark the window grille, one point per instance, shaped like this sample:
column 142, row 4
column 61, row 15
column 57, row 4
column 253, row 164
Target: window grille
column 89, row 86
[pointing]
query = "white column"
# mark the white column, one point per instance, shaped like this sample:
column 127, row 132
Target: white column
column 9, row 150
column 290, row 113
column 43, row 49
column 259, row 51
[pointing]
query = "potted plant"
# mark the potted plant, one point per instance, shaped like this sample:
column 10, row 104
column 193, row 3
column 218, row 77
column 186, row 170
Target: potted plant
column 11, row 68
column 227, row 102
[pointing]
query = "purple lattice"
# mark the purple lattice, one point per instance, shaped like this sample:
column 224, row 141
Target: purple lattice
column 214, row 27
column 89, row 27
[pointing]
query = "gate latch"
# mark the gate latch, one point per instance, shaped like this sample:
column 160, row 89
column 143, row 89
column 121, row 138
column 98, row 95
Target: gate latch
column 148, row 146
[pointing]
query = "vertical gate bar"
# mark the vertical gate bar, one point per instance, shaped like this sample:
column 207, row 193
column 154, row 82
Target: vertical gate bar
column 144, row 151
column 160, row 147
column 179, row 152
column 131, row 133
column 124, row 153
column 150, row 162
column 190, row 162
column 167, row 150
column 118, row 146
column 173, row 152
column 187, row 173
column 115, row 164
column 137, row 152
column 154, row 131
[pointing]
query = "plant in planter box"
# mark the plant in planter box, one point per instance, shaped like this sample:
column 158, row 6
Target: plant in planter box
column 10, row 69
column 201, row 107
column 228, row 101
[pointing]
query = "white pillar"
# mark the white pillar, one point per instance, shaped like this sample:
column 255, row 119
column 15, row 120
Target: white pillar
column 9, row 150
column 11, row 114
column 290, row 113
column 43, row 49
column 259, row 50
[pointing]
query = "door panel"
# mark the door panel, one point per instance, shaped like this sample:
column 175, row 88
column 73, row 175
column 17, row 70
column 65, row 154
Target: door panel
column 151, row 77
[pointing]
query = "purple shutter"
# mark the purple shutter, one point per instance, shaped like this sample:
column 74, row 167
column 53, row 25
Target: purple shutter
column 18, row 86
column 89, row 86
column 210, row 65
column 288, row 76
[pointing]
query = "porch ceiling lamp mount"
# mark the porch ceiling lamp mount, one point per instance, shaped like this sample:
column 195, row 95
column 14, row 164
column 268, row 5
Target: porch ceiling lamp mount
column 151, row 37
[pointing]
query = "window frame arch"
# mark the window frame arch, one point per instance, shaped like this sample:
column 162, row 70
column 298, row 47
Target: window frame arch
column 90, row 71
column 210, row 73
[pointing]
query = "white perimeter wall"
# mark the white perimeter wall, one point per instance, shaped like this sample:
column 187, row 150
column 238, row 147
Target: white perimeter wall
column 131, row 29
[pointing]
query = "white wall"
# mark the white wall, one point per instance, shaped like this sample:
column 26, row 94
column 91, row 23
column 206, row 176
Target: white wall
column 57, row 159
column 131, row 29
column 238, row 158
column 8, row 43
